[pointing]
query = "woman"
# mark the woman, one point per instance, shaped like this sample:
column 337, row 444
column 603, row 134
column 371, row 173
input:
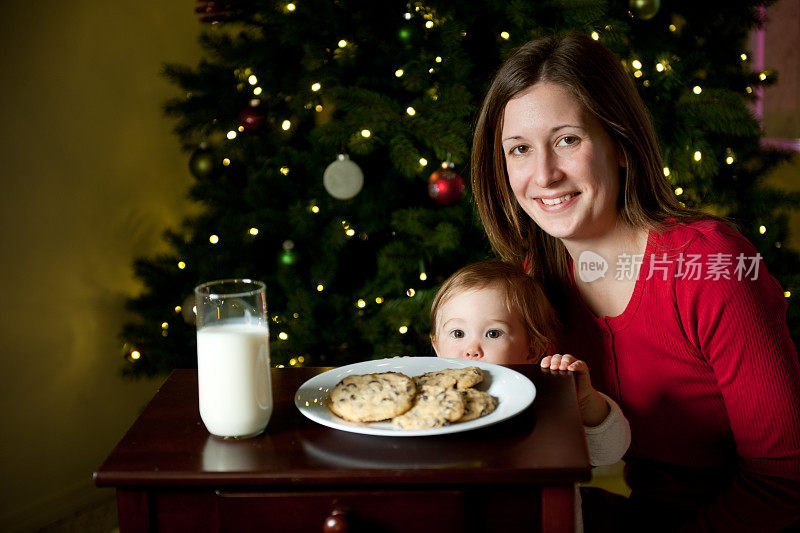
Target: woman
column 672, row 310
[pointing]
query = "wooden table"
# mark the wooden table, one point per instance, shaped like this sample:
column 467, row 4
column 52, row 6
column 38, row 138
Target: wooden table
column 518, row 475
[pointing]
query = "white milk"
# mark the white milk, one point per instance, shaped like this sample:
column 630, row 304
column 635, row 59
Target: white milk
column 234, row 379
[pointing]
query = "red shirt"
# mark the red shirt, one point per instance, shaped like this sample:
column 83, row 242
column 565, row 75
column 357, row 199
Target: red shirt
column 703, row 367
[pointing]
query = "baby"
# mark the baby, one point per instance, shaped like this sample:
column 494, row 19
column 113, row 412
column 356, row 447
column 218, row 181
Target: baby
column 493, row 311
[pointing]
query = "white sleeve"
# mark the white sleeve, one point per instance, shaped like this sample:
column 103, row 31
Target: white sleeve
column 609, row 441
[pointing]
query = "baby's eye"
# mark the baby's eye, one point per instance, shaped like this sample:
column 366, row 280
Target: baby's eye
column 568, row 140
column 457, row 334
column 494, row 333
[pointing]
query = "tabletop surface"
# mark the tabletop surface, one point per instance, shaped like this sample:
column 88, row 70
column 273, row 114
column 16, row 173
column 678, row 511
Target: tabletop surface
column 168, row 445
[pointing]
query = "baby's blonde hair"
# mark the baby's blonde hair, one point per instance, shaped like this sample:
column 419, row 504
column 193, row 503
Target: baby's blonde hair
column 524, row 296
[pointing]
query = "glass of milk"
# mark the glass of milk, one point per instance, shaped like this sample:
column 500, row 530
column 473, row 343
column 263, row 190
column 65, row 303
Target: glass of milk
column 233, row 370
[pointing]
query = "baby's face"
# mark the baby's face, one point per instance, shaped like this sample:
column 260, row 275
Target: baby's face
column 476, row 324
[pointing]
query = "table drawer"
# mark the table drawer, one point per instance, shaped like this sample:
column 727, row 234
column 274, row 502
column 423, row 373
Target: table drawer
column 363, row 511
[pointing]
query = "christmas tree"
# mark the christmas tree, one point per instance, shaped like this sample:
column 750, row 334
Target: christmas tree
column 330, row 141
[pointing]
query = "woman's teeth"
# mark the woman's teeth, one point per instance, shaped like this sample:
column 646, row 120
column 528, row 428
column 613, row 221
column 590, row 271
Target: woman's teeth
column 556, row 201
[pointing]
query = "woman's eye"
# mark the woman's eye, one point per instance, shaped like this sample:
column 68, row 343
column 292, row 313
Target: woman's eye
column 568, row 140
column 519, row 150
column 494, row 333
column 457, row 334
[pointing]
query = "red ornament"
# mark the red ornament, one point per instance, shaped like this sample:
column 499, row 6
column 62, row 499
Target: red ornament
column 251, row 118
column 211, row 12
column 446, row 186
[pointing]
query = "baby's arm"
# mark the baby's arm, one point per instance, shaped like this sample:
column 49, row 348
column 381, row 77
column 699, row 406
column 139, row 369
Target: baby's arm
column 608, row 433
column 594, row 406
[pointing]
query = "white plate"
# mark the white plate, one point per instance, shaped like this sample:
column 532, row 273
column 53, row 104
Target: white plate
column 514, row 391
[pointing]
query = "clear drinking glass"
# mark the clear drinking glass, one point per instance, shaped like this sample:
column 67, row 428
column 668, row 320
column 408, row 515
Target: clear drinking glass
column 233, row 369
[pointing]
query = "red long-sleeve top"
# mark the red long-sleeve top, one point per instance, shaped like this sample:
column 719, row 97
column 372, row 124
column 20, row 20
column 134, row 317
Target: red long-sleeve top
column 703, row 367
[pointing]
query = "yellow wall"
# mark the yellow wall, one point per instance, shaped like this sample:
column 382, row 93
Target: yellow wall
column 90, row 175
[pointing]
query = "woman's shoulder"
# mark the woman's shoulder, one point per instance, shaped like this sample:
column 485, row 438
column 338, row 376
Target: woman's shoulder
column 703, row 236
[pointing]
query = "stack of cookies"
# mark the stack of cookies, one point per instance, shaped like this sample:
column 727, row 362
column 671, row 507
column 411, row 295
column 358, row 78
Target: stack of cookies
column 431, row 400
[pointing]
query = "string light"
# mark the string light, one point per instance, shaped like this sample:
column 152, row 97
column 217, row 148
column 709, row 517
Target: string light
column 423, row 162
column 318, row 109
column 316, row 87
column 697, row 89
column 178, row 308
column 762, row 76
column 698, row 156
column 595, row 35
column 636, row 64
column 744, row 57
column 342, row 43
column 135, row 354
column 257, row 91
column 314, row 209
column 729, row 159
column 365, row 133
column 429, row 24
column 504, row 35
column 253, row 231
column 231, row 135
column 290, row 7
column 411, row 111
column 226, row 162
column 423, row 276
column 762, row 230
column 181, row 265
column 286, row 125
column 252, row 80
column 787, row 294
column 748, row 90
column 378, row 300
column 361, row 304
column 672, row 27
column 320, row 287
column 678, row 191
column 660, row 67
column 164, row 325
column 403, row 329
column 438, row 59
column 283, row 336
column 410, row 293
column 285, row 171
column 292, row 361
column 637, row 74
column 399, row 73
column 666, row 171
column 213, row 239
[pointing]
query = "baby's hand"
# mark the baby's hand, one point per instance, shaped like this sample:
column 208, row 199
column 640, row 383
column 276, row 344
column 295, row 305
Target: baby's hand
column 568, row 362
column 593, row 406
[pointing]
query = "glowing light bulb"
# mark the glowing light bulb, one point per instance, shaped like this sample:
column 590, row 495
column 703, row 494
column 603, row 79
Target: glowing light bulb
column 252, row 80
column 595, row 35
column 698, row 156
column 660, row 67
column 135, row 355
column 787, row 294
column 286, row 125
column 762, row 230
column 636, row 64
column 403, row 329
column 164, row 325
column 285, row 171
column 178, row 308
column 504, row 35
column 318, row 109
column 438, row 59
column 762, row 76
column 213, row 239
column 350, row 232
column 342, row 43
column 366, row 133
column 253, row 231
column 697, row 89
column 316, row 87
column 423, row 276
column 315, row 209
column 411, row 292
column 257, row 91
column 320, row 287
column 399, row 73
column 231, row 135
column 378, row 300
column 744, row 57
column 290, row 7
column 729, row 159
column 637, row 74
column 283, row 336
column 226, row 162
column 672, row 27
column 678, row 191
column 666, row 171
column 361, row 304
column 422, row 161
column 181, row 265
column 411, row 111
column 429, row 24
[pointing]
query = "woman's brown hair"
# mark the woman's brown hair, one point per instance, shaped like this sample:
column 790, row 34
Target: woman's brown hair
column 597, row 79
column 524, row 296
